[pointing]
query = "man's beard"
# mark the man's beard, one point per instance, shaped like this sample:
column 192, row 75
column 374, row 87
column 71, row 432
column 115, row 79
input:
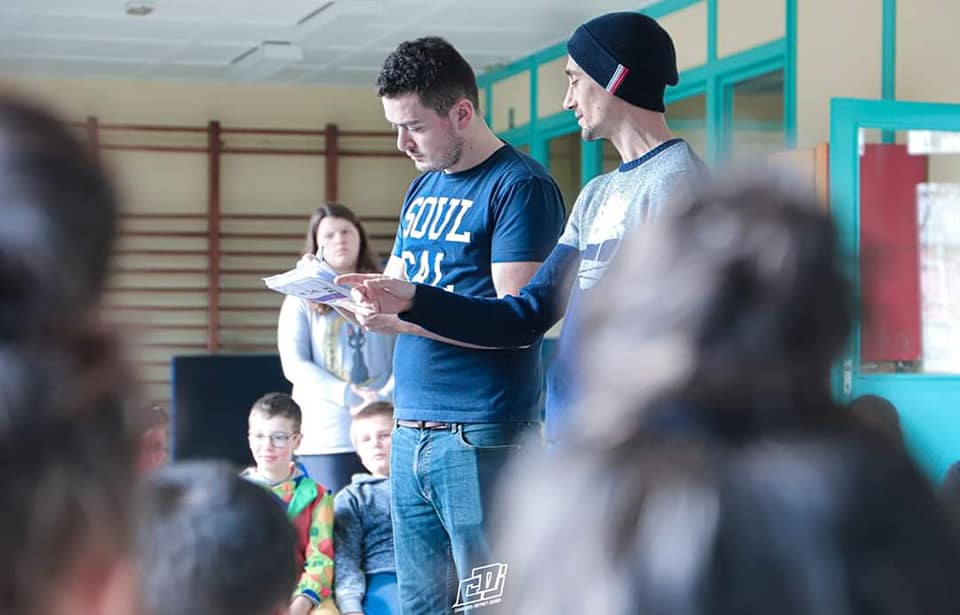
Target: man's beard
column 449, row 157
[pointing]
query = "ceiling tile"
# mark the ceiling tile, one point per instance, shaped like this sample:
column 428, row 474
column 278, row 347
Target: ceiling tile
column 93, row 6
column 182, row 9
column 346, row 31
column 508, row 42
column 228, row 31
column 347, row 43
column 35, row 66
column 337, row 76
column 214, row 54
column 108, row 50
column 288, row 12
column 121, row 26
column 186, row 71
column 352, row 59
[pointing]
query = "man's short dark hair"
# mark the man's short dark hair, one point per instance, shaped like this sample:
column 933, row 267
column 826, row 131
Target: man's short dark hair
column 431, row 68
column 279, row 404
column 211, row 543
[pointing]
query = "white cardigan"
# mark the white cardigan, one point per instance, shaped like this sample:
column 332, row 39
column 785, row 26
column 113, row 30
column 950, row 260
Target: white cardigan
column 317, row 359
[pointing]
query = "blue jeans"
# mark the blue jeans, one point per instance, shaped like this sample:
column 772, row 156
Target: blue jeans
column 442, row 487
column 381, row 594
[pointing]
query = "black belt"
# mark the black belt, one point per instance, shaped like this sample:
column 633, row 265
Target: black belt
column 428, row 425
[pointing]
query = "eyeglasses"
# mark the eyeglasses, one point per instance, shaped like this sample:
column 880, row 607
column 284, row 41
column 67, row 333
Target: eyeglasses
column 278, row 439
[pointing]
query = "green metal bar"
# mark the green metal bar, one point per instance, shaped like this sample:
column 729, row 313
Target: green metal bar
column 539, row 148
column 665, row 7
column 551, row 53
column 689, row 123
column 844, row 197
column 488, row 112
column 747, row 62
column 692, row 82
column 711, row 79
column 888, row 85
column 591, row 160
column 889, row 67
column 518, row 136
column 518, row 66
column 715, row 125
column 790, row 76
column 847, row 117
column 560, row 123
column 712, row 30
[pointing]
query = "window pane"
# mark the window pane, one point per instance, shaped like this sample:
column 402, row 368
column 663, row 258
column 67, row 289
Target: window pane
column 687, row 119
column 757, row 117
column 565, row 165
column 910, row 253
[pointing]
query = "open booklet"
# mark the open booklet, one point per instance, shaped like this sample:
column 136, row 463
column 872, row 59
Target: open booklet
column 312, row 280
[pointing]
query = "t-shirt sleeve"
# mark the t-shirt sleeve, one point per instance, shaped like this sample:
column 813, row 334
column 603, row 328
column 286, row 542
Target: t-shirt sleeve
column 528, row 220
column 397, row 242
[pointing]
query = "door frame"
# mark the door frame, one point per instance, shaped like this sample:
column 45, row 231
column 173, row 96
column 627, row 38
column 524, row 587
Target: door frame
column 847, row 117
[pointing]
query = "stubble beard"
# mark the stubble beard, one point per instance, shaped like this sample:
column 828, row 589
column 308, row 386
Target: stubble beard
column 446, row 159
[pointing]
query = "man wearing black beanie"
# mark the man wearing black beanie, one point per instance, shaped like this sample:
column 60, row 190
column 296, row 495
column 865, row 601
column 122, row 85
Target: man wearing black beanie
column 618, row 68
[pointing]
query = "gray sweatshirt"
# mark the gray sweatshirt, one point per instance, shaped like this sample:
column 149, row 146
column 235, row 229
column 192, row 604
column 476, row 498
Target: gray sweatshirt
column 363, row 538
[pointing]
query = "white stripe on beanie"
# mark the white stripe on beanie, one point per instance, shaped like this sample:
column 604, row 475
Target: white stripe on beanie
column 616, row 80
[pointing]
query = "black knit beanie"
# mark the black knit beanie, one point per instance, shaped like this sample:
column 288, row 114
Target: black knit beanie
column 629, row 55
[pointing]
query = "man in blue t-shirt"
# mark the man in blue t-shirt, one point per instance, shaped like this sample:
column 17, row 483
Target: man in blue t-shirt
column 618, row 68
column 479, row 220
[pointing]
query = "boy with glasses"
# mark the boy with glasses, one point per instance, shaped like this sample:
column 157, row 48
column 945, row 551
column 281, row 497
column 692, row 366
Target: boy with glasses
column 274, row 434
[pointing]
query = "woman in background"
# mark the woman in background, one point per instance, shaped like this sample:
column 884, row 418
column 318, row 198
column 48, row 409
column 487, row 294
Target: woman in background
column 333, row 364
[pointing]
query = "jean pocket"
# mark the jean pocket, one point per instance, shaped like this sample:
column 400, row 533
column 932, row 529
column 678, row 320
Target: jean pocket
column 493, row 437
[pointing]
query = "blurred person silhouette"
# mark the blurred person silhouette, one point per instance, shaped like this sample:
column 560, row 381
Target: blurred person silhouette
column 950, row 491
column 154, row 446
column 719, row 477
column 212, row 543
column 878, row 415
column 67, row 453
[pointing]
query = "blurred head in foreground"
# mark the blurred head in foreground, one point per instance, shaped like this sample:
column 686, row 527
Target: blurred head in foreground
column 212, row 543
column 66, row 455
column 710, row 472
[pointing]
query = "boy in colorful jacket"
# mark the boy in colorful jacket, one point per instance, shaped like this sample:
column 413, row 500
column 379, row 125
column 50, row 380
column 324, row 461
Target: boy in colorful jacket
column 274, row 434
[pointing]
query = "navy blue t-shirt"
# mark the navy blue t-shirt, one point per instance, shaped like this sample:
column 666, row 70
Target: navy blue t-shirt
column 452, row 228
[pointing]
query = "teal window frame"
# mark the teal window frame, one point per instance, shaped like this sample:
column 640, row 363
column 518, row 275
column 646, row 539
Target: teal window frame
column 847, row 117
column 715, row 79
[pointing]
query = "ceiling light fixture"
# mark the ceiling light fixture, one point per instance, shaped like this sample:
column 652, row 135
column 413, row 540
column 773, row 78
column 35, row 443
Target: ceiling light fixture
column 139, row 8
